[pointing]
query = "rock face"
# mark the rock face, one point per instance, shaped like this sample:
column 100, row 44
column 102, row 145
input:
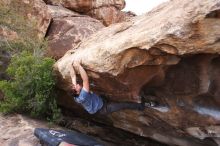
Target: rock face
column 84, row 6
column 33, row 13
column 169, row 56
column 107, row 11
column 68, row 29
column 36, row 11
column 126, row 16
column 61, row 12
column 109, row 15
column 8, row 34
column 146, row 45
column 18, row 130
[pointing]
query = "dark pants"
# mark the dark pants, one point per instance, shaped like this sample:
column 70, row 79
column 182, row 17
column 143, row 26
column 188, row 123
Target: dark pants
column 116, row 106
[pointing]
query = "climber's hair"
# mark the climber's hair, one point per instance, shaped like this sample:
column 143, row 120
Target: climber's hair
column 73, row 93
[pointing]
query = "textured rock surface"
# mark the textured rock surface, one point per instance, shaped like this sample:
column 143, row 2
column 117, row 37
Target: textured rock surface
column 109, row 15
column 168, row 55
column 61, row 12
column 36, row 11
column 68, row 29
column 33, row 13
column 107, row 135
column 187, row 98
column 107, row 11
column 84, row 6
column 8, row 34
column 18, row 130
column 126, row 16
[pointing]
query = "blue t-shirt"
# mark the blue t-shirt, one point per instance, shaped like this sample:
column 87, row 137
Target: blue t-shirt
column 90, row 101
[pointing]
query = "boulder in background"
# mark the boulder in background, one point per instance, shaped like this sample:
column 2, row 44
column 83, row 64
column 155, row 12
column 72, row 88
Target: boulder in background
column 107, row 11
column 68, row 29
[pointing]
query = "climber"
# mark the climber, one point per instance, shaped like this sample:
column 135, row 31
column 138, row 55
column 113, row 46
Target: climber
column 93, row 103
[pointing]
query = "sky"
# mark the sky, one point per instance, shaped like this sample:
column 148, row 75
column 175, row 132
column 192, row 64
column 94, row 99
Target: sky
column 141, row 6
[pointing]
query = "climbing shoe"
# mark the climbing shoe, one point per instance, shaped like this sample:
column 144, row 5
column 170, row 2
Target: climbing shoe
column 150, row 103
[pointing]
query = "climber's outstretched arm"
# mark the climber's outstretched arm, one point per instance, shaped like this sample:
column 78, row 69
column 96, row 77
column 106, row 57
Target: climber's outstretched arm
column 83, row 75
column 72, row 75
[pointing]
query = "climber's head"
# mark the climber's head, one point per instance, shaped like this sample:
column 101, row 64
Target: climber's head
column 77, row 88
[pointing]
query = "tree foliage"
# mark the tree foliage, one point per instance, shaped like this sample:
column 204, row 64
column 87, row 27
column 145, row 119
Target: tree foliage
column 31, row 85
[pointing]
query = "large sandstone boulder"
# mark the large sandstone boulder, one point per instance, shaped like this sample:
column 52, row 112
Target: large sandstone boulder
column 107, row 11
column 170, row 56
column 68, row 29
column 124, row 50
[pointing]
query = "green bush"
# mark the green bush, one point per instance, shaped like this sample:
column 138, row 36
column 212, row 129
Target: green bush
column 31, row 86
